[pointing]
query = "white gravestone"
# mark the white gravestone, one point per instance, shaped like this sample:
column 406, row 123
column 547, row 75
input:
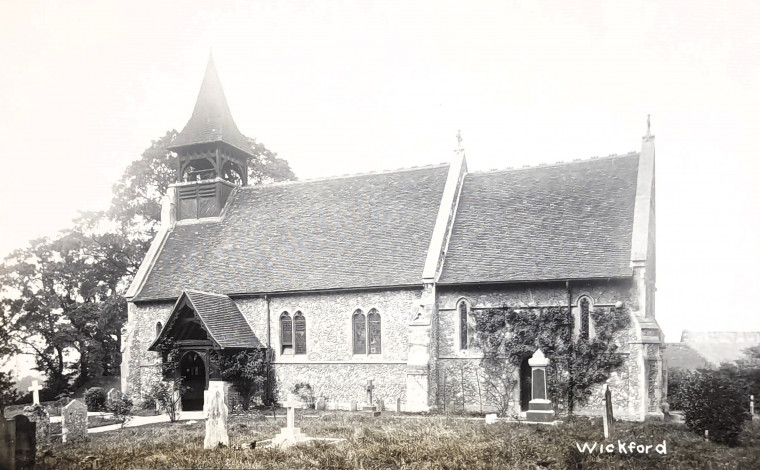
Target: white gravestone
column 74, row 421
column 216, row 421
column 290, row 434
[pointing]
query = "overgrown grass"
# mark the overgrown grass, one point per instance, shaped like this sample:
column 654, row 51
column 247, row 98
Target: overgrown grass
column 390, row 443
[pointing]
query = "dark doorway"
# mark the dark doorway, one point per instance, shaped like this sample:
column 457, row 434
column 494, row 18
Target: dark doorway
column 525, row 384
column 193, row 372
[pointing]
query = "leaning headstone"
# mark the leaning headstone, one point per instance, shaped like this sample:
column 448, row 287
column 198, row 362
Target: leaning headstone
column 7, row 442
column 41, row 419
column 216, row 421
column 74, row 421
column 290, row 434
column 352, row 405
column 609, row 419
column 26, row 443
column 490, row 418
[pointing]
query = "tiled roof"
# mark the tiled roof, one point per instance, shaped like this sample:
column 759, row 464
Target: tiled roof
column 348, row 232
column 211, row 120
column 223, row 320
column 564, row 221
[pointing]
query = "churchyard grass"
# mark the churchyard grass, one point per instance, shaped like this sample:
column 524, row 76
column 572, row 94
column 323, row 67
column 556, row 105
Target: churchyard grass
column 412, row 443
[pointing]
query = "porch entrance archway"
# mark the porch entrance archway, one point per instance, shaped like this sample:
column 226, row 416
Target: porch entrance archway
column 193, row 372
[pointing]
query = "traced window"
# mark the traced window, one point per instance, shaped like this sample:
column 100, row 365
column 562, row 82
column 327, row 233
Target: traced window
column 585, row 320
column 465, row 326
column 299, row 323
column 373, row 320
column 360, row 333
column 286, row 332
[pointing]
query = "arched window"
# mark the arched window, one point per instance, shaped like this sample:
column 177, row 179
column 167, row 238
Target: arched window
column 367, row 332
column 158, row 329
column 465, row 328
column 286, row 332
column 373, row 320
column 299, row 323
column 360, row 333
column 585, row 320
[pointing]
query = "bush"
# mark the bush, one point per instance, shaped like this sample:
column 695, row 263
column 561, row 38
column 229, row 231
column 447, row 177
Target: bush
column 95, row 398
column 676, row 378
column 121, row 409
column 712, row 403
column 305, row 393
column 168, row 395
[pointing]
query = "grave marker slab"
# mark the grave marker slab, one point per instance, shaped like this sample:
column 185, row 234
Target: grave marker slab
column 74, row 421
column 490, row 418
column 320, row 404
column 41, row 419
column 216, row 421
column 398, row 405
column 113, row 396
column 353, row 405
column 26, row 443
column 609, row 419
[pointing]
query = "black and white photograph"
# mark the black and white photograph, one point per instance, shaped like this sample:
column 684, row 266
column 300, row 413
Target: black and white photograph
column 317, row 234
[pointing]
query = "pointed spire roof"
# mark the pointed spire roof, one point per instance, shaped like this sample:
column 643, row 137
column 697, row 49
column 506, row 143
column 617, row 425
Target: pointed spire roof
column 211, row 120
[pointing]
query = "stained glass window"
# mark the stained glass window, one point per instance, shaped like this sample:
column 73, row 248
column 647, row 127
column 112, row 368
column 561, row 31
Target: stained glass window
column 286, row 330
column 374, row 332
column 584, row 318
column 360, row 333
column 300, row 333
column 463, row 327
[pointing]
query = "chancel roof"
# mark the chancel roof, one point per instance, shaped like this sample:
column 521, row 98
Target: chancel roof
column 565, row 221
column 221, row 319
column 359, row 231
column 211, row 120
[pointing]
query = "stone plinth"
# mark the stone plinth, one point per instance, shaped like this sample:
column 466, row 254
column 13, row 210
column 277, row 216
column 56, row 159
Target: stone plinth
column 540, row 408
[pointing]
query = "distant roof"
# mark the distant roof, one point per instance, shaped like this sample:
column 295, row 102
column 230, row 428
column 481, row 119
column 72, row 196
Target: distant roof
column 222, row 319
column 563, row 221
column 683, row 356
column 721, row 346
column 211, row 120
column 357, row 231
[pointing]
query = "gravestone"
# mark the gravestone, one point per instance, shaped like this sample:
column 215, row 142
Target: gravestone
column 352, row 405
column 490, row 418
column 609, row 419
column 751, row 407
column 369, row 408
column 540, row 408
column 26, row 443
column 74, row 421
column 7, row 443
column 35, row 389
column 216, row 421
column 290, row 434
column 41, row 419
column 113, row 396
column 320, row 404
column 398, row 405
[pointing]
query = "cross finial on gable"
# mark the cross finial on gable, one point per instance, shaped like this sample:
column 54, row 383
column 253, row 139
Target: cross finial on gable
column 459, row 142
column 649, row 125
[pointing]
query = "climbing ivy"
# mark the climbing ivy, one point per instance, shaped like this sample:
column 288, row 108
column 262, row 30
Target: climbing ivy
column 248, row 370
column 508, row 335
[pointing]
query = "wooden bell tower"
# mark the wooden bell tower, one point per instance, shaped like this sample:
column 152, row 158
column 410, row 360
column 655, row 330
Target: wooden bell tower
column 213, row 153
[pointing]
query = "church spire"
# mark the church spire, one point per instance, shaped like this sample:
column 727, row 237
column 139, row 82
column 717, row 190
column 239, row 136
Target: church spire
column 212, row 121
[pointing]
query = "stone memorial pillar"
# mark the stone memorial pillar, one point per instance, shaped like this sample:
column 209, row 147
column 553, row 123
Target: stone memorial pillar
column 540, row 407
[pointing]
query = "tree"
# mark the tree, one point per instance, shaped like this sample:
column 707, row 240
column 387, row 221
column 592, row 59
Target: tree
column 247, row 371
column 8, row 393
column 508, row 335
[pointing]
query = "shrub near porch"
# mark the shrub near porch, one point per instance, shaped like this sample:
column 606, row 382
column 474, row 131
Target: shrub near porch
column 412, row 442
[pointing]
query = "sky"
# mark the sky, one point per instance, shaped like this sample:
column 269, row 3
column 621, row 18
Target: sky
column 346, row 87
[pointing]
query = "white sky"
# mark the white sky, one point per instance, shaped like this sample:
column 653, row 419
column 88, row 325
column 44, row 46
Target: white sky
column 346, row 87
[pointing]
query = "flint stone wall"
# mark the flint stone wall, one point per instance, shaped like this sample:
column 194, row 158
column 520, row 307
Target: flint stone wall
column 342, row 382
column 143, row 367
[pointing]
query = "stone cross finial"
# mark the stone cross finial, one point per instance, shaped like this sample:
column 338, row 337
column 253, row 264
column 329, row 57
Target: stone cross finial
column 291, row 404
column 459, row 142
column 35, row 389
column 649, row 124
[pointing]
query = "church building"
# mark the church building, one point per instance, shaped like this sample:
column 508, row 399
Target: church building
column 377, row 276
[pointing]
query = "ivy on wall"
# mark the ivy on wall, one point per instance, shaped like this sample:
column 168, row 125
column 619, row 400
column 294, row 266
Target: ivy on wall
column 506, row 336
